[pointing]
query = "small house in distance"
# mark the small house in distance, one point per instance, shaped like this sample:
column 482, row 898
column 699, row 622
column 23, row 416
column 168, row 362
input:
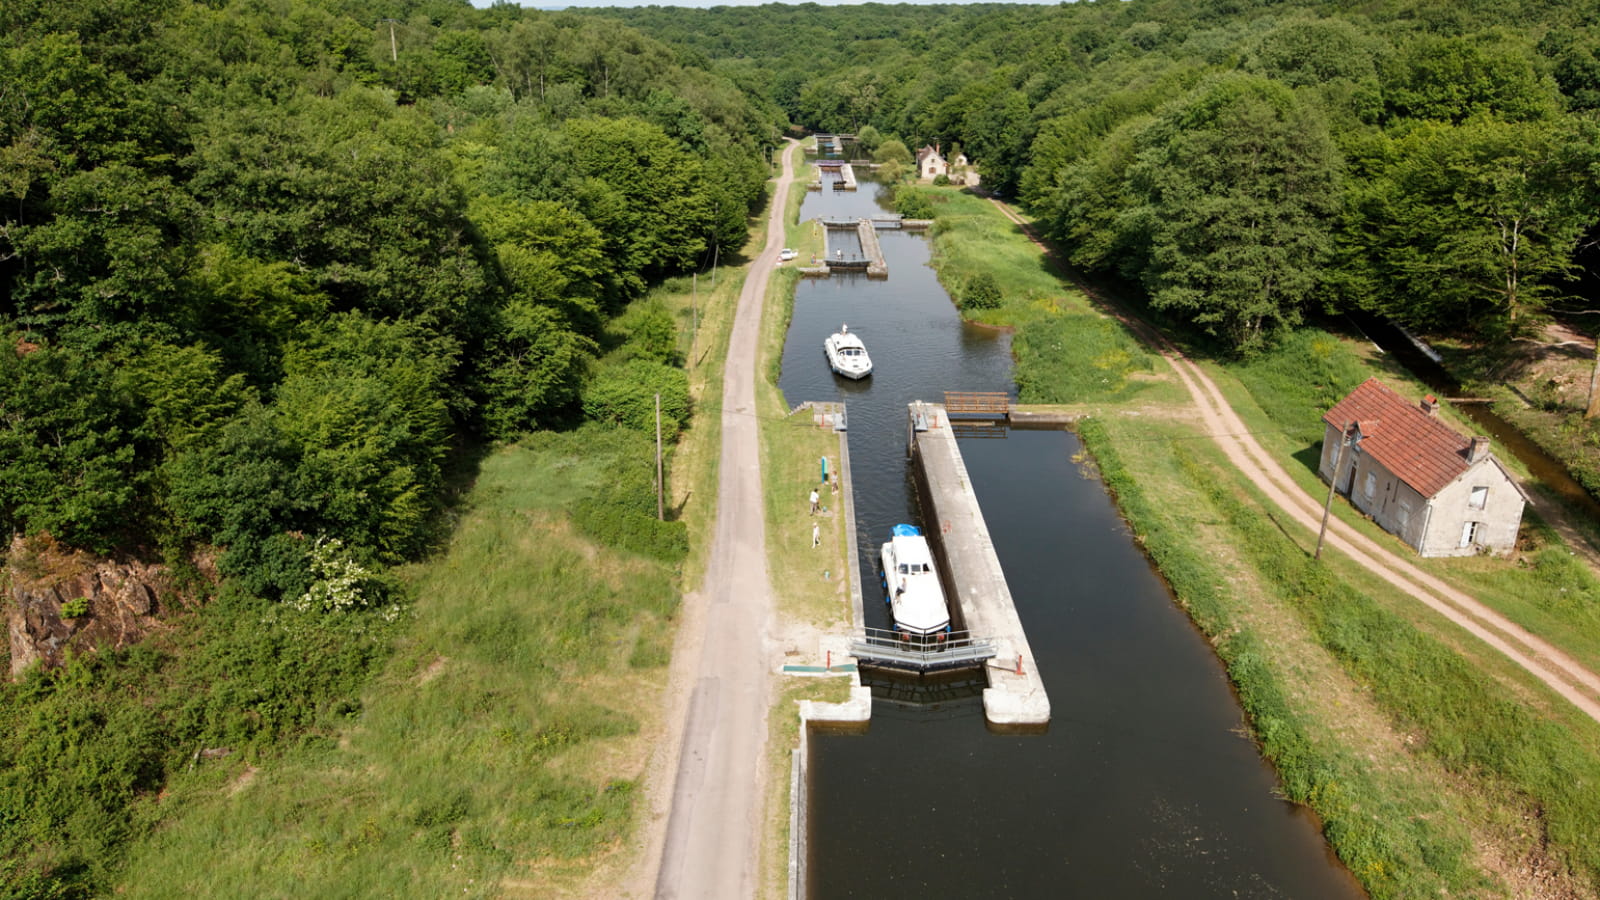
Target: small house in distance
column 1439, row 491
column 931, row 163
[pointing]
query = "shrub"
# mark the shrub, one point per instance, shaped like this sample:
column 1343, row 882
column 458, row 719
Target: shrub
column 72, row 609
column 981, row 292
column 912, row 202
column 631, row 530
column 625, row 395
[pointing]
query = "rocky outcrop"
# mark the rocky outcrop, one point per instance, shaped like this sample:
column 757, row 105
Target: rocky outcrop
column 60, row 600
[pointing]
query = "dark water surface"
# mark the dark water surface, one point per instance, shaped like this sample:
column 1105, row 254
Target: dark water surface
column 1142, row 787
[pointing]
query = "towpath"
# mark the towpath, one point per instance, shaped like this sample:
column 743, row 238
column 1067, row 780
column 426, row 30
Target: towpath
column 1560, row 672
column 705, row 815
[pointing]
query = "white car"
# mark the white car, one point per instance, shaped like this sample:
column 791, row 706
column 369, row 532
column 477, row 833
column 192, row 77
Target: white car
column 786, row 254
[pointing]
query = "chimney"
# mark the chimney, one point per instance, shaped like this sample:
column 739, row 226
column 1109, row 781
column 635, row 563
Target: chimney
column 1430, row 405
column 1480, row 449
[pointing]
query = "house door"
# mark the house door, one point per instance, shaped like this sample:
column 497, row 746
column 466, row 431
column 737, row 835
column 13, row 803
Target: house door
column 1469, row 533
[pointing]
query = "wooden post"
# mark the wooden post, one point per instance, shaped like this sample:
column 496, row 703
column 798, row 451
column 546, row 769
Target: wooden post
column 1333, row 483
column 660, row 485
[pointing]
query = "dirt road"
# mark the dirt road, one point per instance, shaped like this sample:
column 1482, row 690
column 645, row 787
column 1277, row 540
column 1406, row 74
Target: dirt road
column 703, row 834
column 1550, row 665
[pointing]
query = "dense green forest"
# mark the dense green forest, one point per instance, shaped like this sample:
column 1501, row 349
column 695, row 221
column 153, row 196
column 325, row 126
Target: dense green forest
column 272, row 274
column 1246, row 163
column 263, row 270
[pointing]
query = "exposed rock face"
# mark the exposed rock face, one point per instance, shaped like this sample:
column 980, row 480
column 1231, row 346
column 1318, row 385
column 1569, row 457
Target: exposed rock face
column 108, row 605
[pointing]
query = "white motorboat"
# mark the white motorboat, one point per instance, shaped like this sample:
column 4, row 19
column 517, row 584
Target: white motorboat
column 847, row 356
column 916, row 601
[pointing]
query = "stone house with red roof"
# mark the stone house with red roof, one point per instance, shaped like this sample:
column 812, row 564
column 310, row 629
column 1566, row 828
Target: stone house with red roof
column 931, row 163
column 1439, row 491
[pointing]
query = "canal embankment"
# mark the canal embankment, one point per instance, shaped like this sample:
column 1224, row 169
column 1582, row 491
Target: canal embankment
column 1335, row 668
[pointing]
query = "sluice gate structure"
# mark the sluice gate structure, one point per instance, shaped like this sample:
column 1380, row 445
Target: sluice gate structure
column 975, row 584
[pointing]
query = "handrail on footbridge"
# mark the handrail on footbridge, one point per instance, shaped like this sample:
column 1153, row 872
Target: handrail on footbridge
column 892, row 649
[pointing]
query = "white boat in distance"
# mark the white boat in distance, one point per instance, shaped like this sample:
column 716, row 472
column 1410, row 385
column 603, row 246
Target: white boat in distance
column 847, row 356
column 916, row 601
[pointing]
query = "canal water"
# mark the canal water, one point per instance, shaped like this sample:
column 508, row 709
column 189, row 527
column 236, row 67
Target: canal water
column 1142, row 786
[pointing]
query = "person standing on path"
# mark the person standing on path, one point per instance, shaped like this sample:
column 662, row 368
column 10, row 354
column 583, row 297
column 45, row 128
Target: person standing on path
column 814, row 499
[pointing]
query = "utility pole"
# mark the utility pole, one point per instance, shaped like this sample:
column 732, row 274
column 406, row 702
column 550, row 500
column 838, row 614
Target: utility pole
column 394, row 50
column 1333, row 482
column 716, row 249
column 694, row 309
column 660, row 486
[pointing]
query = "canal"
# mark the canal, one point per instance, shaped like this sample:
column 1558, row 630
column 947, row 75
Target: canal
column 1143, row 785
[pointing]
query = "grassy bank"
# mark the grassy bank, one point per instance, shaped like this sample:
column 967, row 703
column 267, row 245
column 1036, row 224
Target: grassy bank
column 812, row 584
column 1436, row 766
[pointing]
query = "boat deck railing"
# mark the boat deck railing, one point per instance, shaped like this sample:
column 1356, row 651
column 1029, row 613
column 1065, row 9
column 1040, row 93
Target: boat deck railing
column 892, row 649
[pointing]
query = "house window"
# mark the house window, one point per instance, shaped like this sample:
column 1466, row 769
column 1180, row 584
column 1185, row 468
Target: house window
column 1371, row 487
column 1469, row 533
column 1479, row 498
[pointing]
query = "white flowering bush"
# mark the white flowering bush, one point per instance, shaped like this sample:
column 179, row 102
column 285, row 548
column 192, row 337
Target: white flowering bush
column 339, row 583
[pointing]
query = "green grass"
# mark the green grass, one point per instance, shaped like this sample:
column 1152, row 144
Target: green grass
column 970, row 236
column 812, row 584
column 1080, row 358
column 490, row 744
column 1066, row 352
column 1300, row 378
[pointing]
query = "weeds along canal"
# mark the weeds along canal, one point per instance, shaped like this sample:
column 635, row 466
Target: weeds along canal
column 1143, row 785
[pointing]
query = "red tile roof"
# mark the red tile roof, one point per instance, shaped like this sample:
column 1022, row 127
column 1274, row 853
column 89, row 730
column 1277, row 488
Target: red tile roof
column 1418, row 448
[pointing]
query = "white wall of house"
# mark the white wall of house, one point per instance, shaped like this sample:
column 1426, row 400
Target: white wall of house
column 1462, row 527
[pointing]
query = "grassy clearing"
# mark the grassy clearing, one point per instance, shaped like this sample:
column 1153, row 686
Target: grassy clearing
column 970, row 237
column 500, row 744
column 812, row 583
